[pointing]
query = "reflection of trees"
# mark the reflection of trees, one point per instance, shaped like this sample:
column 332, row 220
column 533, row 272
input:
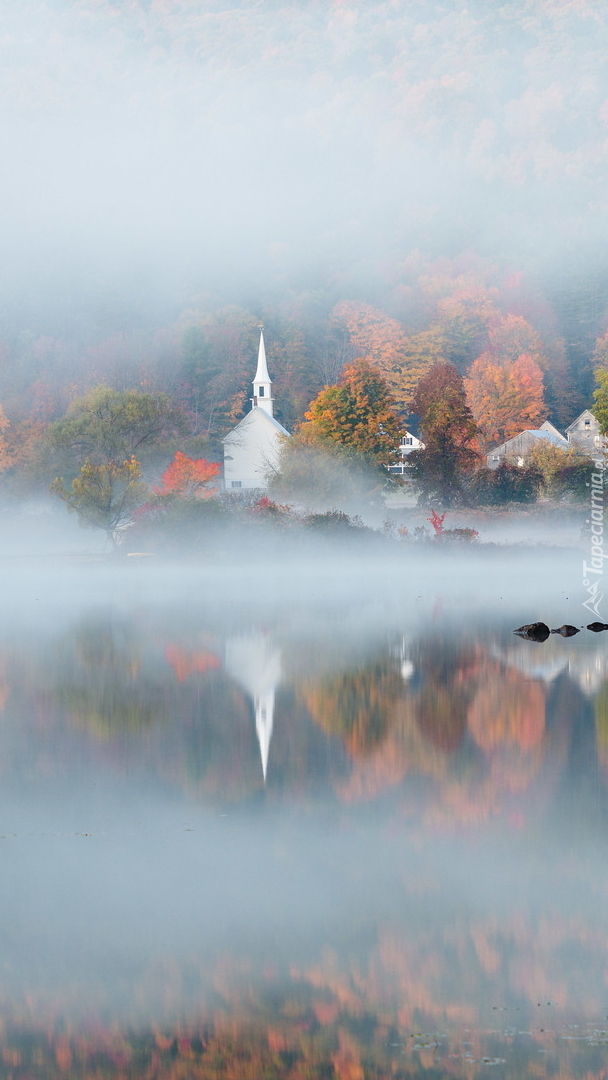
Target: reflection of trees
column 105, row 681
column 507, row 710
column 473, row 727
column 358, row 706
column 600, row 709
column 446, row 669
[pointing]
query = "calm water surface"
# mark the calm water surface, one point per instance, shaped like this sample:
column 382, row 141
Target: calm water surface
column 306, row 820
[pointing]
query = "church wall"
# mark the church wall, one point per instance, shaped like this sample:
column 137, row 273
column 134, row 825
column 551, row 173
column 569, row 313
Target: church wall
column 251, row 452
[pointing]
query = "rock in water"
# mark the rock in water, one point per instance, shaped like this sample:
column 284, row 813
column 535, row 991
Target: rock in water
column 597, row 627
column 534, row 631
column 566, row 630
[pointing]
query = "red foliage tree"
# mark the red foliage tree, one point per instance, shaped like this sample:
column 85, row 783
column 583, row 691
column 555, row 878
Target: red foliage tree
column 189, row 477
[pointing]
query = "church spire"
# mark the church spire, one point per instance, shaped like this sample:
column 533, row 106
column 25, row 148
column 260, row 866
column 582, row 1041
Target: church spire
column 262, row 386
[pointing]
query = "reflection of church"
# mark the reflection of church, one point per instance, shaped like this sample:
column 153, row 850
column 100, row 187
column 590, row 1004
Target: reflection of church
column 255, row 663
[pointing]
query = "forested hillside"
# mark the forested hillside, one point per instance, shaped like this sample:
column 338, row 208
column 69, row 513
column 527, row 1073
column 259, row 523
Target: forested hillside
column 405, row 181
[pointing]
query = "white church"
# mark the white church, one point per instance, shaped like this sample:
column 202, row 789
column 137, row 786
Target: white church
column 252, row 448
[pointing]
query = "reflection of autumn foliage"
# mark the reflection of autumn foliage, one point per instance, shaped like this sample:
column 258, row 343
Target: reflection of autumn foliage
column 358, row 706
column 441, row 716
column 447, row 672
column 185, row 662
column 508, row 709
column 600, row 708
column 103, row 682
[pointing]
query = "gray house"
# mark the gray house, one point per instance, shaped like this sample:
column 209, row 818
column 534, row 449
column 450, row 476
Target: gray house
column 517, row 449
column 584, row 433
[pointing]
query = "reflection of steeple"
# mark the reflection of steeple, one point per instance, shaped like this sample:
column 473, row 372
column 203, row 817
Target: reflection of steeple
column 255, row 663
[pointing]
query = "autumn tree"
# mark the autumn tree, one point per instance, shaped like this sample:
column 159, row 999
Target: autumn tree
column 600, row 353
column 463, row 318
column 108, row 425
column 448, row 432
column 505, row 397
column 512, row 336
column 104, row 496
column 358, row 414
column 402, row 360
column 600, row 408
column 564, row 470
column 189, row 478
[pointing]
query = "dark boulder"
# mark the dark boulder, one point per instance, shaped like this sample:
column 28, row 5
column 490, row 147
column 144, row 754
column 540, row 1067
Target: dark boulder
column 534, row 631
column 597, row 627
column 566, row 630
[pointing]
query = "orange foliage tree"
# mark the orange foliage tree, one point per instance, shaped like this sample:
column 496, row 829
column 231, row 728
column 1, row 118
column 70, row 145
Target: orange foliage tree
column 189, row 477
column 402, row 360
column 505, row 385
column 358, row 414
column 505, row 398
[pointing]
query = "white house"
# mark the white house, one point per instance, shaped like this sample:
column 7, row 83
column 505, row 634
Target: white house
column 252, row 448
column 408, row 443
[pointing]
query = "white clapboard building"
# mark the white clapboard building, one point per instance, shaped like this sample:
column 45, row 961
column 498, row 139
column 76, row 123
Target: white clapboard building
column 252, row 448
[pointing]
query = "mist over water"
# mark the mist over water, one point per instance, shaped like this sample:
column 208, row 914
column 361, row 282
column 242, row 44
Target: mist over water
column 432, row 782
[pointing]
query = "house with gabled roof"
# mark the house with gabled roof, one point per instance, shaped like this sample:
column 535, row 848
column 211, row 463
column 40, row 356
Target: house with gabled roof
column 517, row 449
column 584, row 433
column 252, row 448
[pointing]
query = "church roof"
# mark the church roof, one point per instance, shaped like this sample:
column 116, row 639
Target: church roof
column 255, row 413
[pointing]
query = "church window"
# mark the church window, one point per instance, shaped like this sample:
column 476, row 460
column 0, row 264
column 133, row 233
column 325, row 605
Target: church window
column 261, row 392
column 236, row 483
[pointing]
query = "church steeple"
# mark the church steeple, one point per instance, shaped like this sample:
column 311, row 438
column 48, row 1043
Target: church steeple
column 262, row 386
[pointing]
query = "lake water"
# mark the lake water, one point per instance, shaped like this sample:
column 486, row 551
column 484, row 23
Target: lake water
column 327, row 817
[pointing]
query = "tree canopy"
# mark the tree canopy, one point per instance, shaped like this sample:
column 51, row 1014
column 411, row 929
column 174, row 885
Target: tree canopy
column 112, row 425
column 104, row 496
column 357, row 413
column 600, row 409
column 448, row 432
column 505, row 398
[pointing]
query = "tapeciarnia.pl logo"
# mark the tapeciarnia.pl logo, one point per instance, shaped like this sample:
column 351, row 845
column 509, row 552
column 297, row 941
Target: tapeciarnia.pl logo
column 594, row 570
